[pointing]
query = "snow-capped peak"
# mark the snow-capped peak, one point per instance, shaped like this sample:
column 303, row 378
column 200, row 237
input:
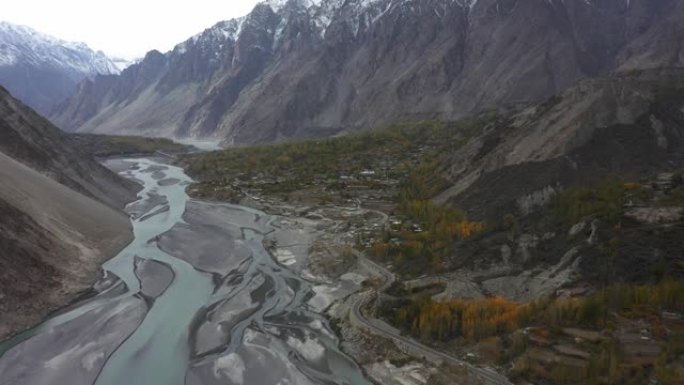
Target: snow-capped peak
column 214, row 36
column 21, row 44
column 277, row 5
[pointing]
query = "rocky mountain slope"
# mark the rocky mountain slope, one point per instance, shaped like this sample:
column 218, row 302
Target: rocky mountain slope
column 626, row 125
column 60, row 217
column 560, row 181
column 308, row 68
column 42, row 70
column 580, row 193
column 34, row 141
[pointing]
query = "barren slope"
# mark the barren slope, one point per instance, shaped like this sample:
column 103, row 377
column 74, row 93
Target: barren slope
column 60, row 217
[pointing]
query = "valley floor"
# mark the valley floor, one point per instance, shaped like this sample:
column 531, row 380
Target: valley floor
column 197, row 293
column 528, row 295
column 316, row 241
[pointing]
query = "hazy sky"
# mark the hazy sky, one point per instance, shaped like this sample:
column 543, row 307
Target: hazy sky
column 125, row 28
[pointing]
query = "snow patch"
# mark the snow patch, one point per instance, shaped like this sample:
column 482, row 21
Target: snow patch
column 277, row 5
column 213, row 38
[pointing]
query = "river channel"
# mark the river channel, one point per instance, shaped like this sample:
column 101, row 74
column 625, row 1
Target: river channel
column 194, row 299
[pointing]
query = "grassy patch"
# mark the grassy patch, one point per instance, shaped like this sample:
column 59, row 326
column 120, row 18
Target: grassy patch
column 605, row 201
column 332, row 165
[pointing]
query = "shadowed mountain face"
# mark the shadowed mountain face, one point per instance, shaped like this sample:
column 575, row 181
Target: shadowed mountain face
column 627, row 126
column 41, row 70
column 535, row 176
column 32, row 140
column 59, row 217
column 309, row 68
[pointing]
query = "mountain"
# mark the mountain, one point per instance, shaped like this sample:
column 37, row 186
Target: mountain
column 60, row 217
column 600, row 161
column 628, row 125
column 42, row 70
column 34, row 141
column 302, row 68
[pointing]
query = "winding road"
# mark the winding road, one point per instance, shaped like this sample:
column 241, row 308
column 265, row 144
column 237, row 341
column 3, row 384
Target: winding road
column 409, row 345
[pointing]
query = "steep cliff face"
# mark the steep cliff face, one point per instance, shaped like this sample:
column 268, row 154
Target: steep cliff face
column 42, row 70
column 59, row 217
column 303, row 68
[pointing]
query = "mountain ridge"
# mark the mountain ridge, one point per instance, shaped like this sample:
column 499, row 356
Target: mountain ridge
column 42, row 70
column 301, row 68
